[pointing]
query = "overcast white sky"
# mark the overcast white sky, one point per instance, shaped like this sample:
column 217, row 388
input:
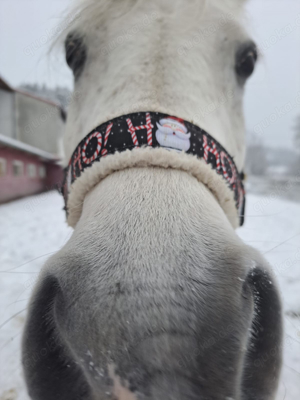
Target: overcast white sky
column 28, row 26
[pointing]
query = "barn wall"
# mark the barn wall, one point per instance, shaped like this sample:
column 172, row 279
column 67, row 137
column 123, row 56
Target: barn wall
column 7, row 114
column 55, row 176
column 38, row 124
column 12, row 187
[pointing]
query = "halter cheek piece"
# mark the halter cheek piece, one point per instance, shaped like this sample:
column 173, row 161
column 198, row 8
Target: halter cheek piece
column 153, row 129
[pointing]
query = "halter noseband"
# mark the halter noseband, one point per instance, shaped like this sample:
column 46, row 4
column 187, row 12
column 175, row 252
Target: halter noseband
column 153, row 129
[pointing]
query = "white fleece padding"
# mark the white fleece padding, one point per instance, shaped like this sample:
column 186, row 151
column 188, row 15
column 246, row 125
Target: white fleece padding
column 150, row 157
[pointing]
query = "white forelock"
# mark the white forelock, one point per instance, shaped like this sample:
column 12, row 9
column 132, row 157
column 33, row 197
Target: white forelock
column 92, row 12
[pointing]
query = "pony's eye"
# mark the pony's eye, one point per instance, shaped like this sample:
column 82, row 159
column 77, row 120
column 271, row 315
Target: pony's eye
column 75, row 53
column 245, row 61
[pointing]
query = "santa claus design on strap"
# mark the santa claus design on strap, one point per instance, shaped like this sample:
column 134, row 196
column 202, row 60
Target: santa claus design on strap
column 173, row 134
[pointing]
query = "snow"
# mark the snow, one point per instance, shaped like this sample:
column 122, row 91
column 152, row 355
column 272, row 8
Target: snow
column 273, row 227
column 34, row 228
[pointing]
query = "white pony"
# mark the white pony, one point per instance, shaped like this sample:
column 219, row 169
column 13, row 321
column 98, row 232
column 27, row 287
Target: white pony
column 155, row 297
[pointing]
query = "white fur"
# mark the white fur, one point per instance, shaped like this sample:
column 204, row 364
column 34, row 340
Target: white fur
column 154, row 274
column 159, row 56
column 146, row 71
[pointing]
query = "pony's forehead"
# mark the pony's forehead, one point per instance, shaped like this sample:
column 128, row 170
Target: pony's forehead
column 89, row 14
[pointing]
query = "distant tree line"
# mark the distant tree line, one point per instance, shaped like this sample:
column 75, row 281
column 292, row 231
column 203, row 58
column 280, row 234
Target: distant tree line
column 263, row 160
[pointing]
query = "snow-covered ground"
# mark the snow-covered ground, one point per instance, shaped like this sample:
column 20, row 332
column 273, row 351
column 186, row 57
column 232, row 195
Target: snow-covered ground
column 32, row 229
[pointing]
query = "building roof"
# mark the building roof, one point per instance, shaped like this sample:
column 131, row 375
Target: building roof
column 16, row 144
column 5, row 86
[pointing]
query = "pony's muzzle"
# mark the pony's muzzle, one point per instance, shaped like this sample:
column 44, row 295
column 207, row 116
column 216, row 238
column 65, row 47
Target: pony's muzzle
column 133, row 342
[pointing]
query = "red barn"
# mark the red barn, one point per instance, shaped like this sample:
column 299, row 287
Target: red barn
column 26, row 170
column 31, row 131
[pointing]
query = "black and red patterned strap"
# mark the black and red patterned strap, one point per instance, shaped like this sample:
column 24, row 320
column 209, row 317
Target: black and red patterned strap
column 154, row 129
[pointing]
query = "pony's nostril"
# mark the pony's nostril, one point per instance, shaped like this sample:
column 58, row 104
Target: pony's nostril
column 246, row 290
column 50, row 371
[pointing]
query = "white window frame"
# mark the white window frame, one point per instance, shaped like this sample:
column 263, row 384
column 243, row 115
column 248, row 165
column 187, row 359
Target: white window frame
column 3, row 163
column 31, row 170
column 19, row 164
column 42, row 171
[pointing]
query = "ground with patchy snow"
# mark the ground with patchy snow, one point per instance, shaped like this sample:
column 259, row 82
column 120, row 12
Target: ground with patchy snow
column 32, row 229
